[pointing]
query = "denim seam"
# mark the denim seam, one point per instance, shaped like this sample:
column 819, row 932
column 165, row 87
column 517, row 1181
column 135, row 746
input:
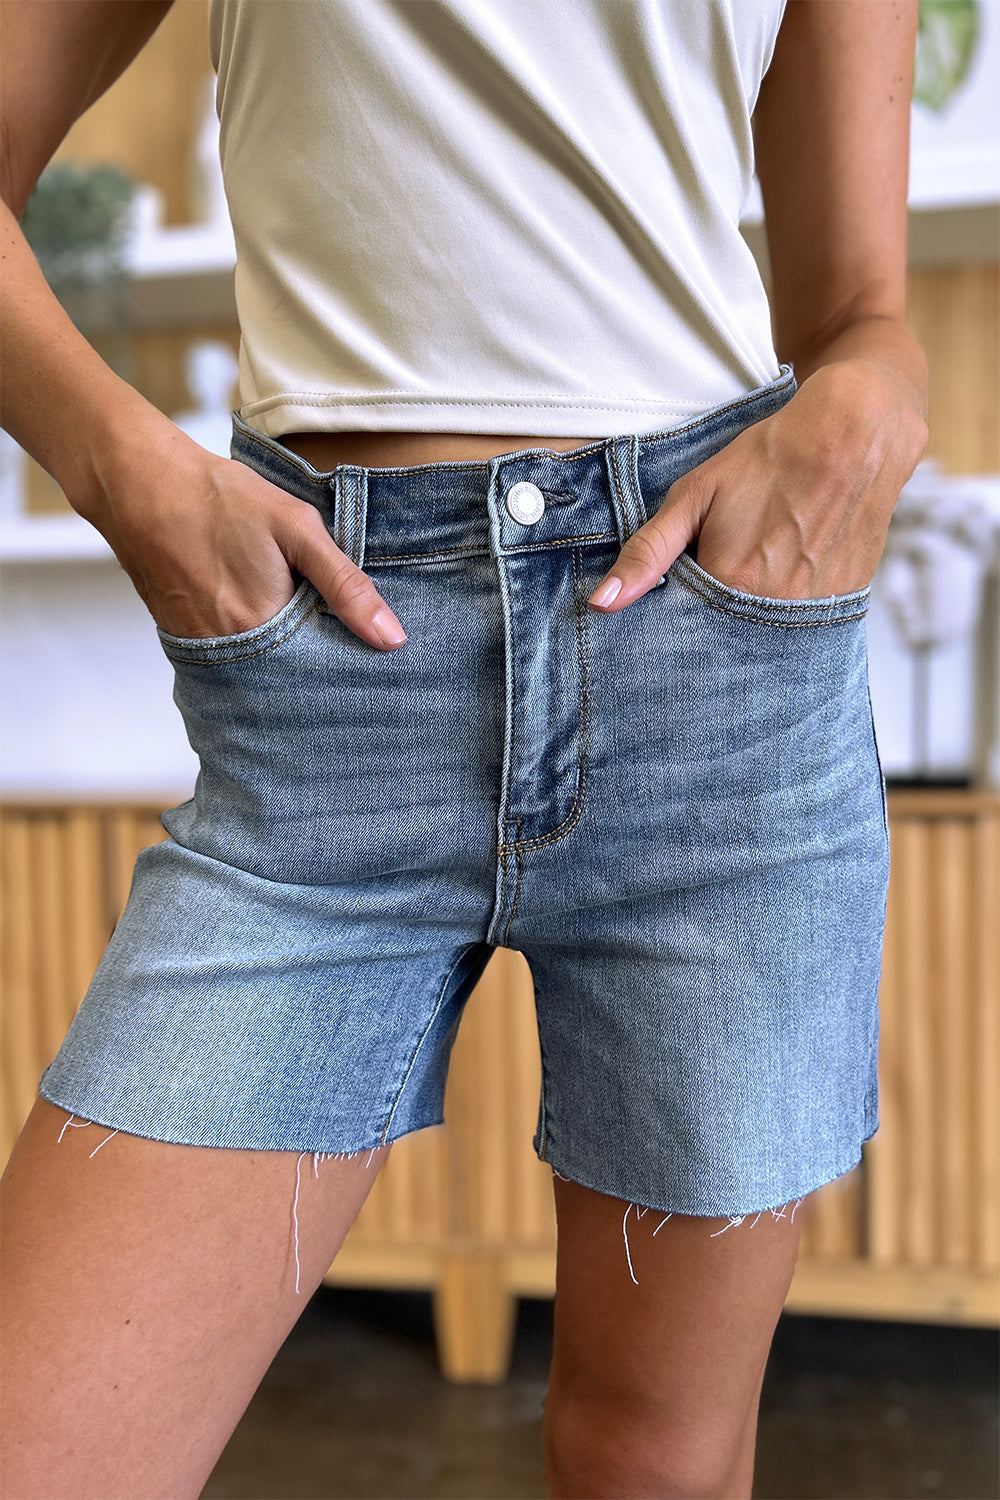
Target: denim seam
column 583, row 666
column 502, row 849
column 712, row 587
column 759, row 617
column 360, row 513
column 298, row 620
column 517, row 880
column 423, row 1037
column 543, row 1134
column 878, row 759
column 621, row 506
column 505, row 777
column 561, row 541
column 286, row 455
column 391, row 557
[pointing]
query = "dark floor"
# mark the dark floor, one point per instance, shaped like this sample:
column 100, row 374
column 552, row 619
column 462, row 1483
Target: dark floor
column 353, row 1408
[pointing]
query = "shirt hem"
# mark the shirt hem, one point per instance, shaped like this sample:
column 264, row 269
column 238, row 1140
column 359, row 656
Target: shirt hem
column 544, row 416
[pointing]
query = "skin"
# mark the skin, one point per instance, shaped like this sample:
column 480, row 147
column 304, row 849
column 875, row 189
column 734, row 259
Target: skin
column 147, row 1287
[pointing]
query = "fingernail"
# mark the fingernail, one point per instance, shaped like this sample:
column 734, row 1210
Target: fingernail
column 391, row 633
column 606, row 591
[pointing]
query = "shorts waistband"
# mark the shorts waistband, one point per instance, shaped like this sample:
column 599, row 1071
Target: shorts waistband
column 601, row 491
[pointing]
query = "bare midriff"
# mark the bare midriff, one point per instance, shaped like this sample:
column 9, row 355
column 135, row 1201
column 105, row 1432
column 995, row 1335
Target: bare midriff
column 324, row 450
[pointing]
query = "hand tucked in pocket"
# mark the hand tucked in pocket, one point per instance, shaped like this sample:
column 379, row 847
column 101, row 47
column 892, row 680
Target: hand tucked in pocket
column 797, row 506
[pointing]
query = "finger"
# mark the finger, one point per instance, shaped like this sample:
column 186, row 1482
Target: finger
column 649, row 552
column 346, row 588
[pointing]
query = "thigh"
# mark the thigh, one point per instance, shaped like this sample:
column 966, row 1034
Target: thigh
column 662, row 1330
column 146, row 1288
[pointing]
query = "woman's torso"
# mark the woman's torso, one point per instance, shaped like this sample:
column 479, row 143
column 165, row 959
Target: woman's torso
column 458, row 220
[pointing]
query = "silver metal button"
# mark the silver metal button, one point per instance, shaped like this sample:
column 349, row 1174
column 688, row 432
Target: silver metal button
column 525, row 502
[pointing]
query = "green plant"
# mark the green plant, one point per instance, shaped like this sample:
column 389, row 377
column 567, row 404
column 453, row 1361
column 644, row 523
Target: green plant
column 76, row 222
column 948, row 34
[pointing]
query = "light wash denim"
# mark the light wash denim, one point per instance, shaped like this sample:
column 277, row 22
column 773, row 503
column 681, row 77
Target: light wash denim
column 675, row 812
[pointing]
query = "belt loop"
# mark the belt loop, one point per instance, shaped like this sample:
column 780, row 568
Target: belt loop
column 350, row 507
column 622, row 455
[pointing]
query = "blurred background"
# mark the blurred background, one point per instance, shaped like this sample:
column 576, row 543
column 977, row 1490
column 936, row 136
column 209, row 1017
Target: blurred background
column 420, row 1368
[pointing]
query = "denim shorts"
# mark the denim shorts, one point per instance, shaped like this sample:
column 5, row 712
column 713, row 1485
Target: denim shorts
column 675, row 811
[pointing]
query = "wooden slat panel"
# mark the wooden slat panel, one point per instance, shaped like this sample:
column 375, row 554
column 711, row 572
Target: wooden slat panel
column 985, row 904
column 950, row 900
column 50, row 925
column 86, row 911
column 19, row 1058
column 399, row 1186
column 912, row 864
column 954, row 313
column 833, row 1219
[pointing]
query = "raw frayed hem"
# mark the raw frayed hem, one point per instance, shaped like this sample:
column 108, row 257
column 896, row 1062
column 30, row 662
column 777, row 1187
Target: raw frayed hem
column 75, row 1124
column 736, row 1219
column 317, row 1157
column 780, row 1212
column 72, row 1123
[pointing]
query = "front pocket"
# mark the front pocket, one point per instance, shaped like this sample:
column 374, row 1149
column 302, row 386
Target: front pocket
column 766, row 611
column 212, row 649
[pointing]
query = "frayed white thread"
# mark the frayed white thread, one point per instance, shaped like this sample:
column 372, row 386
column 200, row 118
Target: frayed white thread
column 317, row 1157
column 560, row 1175
column 76, row 1124
column 731, row 1225
column 82, row 1125
column 103, row 1143
column 776, row 1214
column 295, row 1215
column 628, row 1256
column 734, row 1221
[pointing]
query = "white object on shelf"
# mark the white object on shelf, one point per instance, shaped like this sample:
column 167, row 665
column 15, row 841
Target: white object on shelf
column 86, row 689
column 933, row 671
column 210, row 368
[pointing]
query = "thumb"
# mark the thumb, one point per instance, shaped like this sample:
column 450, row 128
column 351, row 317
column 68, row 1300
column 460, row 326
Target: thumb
column 650, row 552
column 347, row 589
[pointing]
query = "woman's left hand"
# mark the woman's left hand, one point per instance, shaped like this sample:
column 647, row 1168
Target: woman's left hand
column 797, row 506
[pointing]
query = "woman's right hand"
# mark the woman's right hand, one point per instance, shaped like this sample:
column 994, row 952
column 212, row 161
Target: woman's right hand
column 210, row 544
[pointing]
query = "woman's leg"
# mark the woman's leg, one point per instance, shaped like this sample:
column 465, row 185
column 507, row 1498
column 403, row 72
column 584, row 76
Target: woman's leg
column 146, row 1289
column 659, row 1349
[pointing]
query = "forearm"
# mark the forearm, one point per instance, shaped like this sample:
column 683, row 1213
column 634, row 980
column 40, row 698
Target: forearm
column 58, row 398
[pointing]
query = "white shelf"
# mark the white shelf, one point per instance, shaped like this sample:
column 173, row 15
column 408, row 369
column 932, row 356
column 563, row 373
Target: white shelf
column 183, row 274
column 182, row 250
column 48, row 539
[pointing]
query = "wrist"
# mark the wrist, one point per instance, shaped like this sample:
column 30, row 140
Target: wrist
column 121, row 435
column 875, row 353
column 864, row 413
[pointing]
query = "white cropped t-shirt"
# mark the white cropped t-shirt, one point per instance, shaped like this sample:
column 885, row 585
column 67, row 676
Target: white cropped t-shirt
column 501, row 216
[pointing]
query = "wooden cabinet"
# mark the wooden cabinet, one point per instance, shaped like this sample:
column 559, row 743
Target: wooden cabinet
column 465, row 1209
